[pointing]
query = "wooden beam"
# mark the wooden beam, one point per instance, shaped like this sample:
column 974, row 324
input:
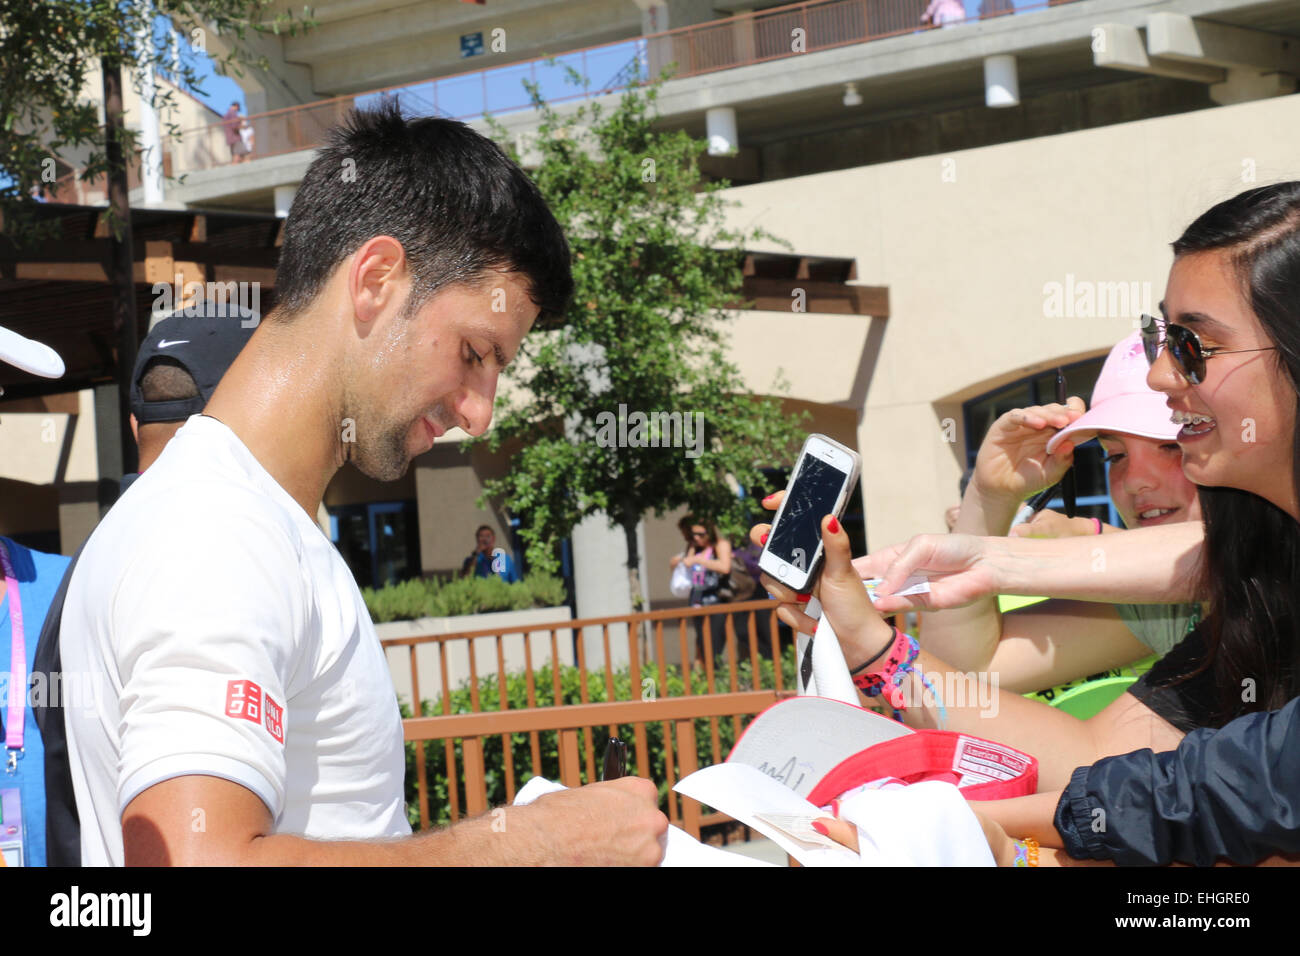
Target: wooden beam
column 264, row 277
column 776, row 295
column 61, row 271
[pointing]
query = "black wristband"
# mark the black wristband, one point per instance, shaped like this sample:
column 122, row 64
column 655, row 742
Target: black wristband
column 879, row 654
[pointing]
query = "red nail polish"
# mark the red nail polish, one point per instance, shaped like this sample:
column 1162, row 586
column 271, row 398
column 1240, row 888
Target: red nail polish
column 769, row 497
column 803, row 598
column 820, row 828
column 835, row 808
column 763, row 540
column 833, row 526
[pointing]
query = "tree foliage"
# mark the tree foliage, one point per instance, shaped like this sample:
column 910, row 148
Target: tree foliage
column 658, row 273
column 49, row 48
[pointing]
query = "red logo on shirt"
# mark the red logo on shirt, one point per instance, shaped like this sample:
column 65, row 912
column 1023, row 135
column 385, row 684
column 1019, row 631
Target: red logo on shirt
column 274, row 718
column 244, row 699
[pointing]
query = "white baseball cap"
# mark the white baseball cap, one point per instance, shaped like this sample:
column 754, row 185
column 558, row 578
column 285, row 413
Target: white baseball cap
column 29, row 355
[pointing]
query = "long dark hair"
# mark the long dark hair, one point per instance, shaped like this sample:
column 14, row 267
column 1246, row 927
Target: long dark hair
column 1251, row 564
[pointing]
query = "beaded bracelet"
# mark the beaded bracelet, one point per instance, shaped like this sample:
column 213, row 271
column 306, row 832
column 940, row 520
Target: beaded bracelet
column 1026, row 852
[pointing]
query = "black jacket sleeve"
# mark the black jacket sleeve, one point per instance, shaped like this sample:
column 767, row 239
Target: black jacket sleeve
column 1232, row 793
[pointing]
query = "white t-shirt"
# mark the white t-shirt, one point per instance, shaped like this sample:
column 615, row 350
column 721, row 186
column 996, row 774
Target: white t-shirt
column 232, row 642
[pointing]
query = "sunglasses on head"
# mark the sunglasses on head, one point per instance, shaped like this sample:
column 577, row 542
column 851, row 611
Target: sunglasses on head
column 1185, row 348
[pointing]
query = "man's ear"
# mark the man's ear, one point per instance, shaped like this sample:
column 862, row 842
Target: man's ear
column 378, row 279
column 135, row 428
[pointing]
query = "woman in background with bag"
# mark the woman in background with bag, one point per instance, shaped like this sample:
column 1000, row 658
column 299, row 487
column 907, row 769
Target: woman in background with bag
column 707, row 561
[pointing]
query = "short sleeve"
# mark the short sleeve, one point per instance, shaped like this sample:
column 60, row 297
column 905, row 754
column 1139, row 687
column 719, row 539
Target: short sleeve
column 207, row 620
column 1159, row 626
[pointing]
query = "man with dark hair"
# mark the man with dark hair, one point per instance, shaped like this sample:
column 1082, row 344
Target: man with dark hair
column 251, row 717
column 487, row 559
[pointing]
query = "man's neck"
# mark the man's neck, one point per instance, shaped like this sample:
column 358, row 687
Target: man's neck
column 280, row 399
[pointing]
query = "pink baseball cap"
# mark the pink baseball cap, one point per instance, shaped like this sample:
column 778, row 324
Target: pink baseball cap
column 1122, row 401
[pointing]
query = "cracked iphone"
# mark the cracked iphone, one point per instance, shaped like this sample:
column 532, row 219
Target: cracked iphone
column 819, row 486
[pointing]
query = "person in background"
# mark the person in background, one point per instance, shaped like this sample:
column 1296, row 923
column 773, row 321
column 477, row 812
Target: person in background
column 230, row 125
column 944, row 13
column 709, row 559
column 177, row 367
column 26, row 592
column 487, row 559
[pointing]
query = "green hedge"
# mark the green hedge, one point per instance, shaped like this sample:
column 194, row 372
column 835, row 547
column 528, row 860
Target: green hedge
column 431, row 597
column 517, row 692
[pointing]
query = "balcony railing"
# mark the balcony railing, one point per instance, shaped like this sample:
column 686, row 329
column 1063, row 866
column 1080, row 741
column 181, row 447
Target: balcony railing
column 695, row 50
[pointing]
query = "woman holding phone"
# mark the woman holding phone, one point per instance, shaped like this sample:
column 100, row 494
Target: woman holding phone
column 1227, row 356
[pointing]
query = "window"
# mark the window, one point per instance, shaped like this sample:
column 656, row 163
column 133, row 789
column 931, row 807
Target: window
column 380, row 541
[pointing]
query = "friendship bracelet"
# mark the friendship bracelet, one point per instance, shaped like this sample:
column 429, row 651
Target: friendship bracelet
column 872, row 684
column 1026, row 852
column 904, row 651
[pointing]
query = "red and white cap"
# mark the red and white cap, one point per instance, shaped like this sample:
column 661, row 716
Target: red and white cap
column 1122, row 401
column 29, row 355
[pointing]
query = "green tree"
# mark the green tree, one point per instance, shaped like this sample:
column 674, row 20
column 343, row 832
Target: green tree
column 657, row 273
column 47, row 49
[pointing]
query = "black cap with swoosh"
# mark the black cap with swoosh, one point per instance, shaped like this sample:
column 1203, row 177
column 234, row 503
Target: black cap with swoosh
column 204, row 340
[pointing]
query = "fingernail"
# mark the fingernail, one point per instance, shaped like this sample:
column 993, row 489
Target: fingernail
column 835, row 808
column 834, row 526
column 763, row 540
column 769, row 497
column 803, row 598
column 820, row 828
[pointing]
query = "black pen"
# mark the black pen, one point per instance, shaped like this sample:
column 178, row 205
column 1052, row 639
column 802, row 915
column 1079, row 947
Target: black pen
column 615, row 764
column 1068, row 493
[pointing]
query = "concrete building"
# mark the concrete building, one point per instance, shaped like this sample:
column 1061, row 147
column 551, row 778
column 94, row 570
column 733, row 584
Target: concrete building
column 1005, row 189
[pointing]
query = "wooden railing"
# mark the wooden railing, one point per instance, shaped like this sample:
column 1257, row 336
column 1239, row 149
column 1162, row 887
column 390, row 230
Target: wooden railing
column 677, row 715
column 658, row 699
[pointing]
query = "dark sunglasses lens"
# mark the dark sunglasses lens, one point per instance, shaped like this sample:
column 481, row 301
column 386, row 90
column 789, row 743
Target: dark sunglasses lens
column 1186, row 350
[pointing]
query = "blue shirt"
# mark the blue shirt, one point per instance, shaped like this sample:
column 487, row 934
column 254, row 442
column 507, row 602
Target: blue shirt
column 38, row 577
column 499, row 563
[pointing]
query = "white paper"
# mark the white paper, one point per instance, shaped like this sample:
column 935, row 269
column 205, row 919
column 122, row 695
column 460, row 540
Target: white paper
column 916, row 584
column 742, row 792
column 682, row 849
